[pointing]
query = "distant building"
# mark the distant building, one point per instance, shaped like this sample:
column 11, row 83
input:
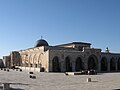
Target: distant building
column 7, row 61
column 1, row 63
column 68, row 57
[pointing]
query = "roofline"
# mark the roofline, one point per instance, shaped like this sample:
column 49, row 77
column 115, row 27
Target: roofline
column 74, row 43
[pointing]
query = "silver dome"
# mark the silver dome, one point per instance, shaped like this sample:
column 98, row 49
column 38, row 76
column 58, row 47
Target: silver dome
column 41, row 42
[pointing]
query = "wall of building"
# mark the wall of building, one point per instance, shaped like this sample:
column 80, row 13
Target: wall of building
column 7, row 61
column 62, row 54
column 109, row 57
column 35, row 58
column 53, row 59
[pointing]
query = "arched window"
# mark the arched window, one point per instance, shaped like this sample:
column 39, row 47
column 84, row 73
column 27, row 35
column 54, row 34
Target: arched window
column 55, row 64
column 78, row 64
column 112, row 64
column 104, row 64
column 68, row 64
column 92, row 62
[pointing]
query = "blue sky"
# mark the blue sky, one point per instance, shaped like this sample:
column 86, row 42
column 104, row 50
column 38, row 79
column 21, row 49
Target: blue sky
column 22, row 22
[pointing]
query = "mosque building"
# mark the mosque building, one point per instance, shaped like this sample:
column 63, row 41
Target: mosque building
column 69, row 57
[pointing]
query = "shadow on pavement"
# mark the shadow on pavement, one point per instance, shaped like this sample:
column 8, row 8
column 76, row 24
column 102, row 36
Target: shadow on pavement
column 1, row 88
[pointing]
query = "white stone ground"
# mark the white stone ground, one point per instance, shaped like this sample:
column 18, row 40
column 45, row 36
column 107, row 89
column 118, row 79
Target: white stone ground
column 59, row 81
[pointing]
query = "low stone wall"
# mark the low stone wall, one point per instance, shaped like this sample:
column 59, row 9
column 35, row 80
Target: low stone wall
column 30, row 69
column 73, row 73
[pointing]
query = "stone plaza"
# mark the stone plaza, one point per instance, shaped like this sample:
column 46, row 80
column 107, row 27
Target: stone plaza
column 50, row 63
column 59, row 81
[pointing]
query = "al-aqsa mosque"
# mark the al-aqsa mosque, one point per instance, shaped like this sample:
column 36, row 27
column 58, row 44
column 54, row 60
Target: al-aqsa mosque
column 68, row 57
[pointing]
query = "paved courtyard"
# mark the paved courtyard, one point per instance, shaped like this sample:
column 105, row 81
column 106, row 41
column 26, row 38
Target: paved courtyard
column 59, row 81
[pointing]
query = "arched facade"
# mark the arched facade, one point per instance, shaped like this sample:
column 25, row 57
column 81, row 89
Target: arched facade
column 23, row 60
column 75, row 56
column 56, row 64
column 39, row 60
column 92, row 62
column 78, row 64
column 112, row 64
column 68, row 65
column 26, row 60
column 30, row 61
column 104, row 64
column 35, row 61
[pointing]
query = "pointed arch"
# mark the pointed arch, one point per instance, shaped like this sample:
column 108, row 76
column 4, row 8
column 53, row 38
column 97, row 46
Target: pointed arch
column 35, row 61
column 92, row 62
column 112, row 64
column 39, row 60
column 104, row 64
column 34, row 58
column 56, row 64
column 30, row 60
column 26, row 61
column 78, row 64
column 68, row 65
column 23, row 60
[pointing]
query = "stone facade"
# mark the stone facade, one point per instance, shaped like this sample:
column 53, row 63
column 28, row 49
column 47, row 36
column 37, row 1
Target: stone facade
column 70, row 57
column 1, row 63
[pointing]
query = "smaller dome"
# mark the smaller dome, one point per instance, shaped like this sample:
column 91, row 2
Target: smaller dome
column 41, row 42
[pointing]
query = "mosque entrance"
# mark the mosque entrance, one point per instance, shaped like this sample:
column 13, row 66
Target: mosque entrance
column 78, row 64
column 68, row 64
column 112, row 64
column 104, row 64
column 92, row 62
column 55, row 64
